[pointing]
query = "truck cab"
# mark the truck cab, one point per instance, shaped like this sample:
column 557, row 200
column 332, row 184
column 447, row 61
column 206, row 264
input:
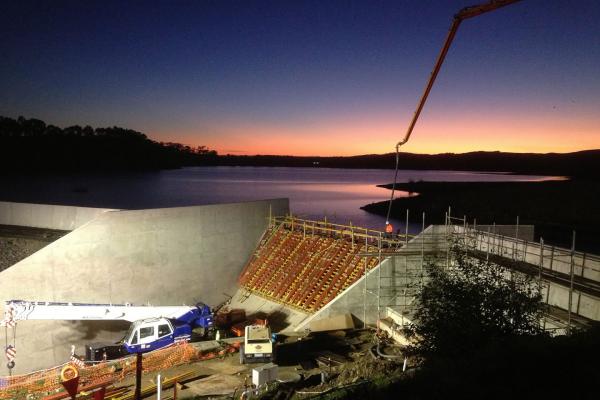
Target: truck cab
column 154, row 333
column 258, row 346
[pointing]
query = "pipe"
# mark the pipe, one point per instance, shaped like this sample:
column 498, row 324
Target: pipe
column 138, row 377
column 158, row 386
column 387, row 356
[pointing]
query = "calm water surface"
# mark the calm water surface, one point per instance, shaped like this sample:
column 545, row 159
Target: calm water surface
column 313, row 192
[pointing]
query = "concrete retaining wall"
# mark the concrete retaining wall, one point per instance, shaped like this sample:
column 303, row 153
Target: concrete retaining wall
column 550, row 258
column 65, row 218
column 166, row 256
column 525, row 232
column 582, row 304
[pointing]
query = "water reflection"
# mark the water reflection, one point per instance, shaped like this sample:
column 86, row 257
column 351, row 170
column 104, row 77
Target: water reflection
column 313, row 192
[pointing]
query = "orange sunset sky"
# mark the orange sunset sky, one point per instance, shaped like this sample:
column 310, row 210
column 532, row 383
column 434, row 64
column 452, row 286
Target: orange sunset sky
column 309, row 77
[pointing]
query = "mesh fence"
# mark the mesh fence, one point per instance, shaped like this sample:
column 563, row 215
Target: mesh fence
column 40, row 384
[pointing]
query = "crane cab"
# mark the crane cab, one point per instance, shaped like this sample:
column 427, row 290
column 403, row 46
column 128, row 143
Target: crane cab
column 153, row 333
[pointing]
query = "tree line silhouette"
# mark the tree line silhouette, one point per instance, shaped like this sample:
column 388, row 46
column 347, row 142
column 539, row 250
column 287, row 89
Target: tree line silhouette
column 30, row 145
column 582, row 164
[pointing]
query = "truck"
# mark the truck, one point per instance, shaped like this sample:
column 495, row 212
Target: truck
column 152, row 327
column 258, row 345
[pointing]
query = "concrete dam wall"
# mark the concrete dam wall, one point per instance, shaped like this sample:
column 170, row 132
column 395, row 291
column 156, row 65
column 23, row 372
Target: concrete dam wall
column 166, row 256
column 65, row 218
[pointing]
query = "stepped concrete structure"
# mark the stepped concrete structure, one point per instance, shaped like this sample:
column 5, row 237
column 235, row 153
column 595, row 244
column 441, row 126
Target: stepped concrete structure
column 166, row 256
column 305, row 271
column 332, row 272
column 392, row 283
column 300, row 273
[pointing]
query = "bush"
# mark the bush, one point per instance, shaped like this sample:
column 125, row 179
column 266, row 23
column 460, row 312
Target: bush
column 471, row 304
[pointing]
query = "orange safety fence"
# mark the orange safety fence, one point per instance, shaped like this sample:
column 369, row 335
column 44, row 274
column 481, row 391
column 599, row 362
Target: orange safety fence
column 49, row 381
column 40, row 384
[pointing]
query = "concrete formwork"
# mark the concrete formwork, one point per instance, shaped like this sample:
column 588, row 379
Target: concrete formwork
column 163, row 256
column 391, row 284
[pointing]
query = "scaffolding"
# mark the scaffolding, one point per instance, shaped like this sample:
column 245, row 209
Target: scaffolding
column 566, row 278
column 305, row 264
column 393, row 268
column 402, row 273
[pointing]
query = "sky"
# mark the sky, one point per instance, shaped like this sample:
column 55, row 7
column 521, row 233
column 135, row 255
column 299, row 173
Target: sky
column 313, row 78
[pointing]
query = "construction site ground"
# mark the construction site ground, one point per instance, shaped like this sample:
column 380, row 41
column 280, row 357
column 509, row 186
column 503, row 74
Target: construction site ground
column 282, row 318
column 306, row 364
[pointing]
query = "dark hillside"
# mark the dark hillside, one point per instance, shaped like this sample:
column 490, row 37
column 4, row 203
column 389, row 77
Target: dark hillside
column 579, row 164
column 29, row 145
column 556, row 208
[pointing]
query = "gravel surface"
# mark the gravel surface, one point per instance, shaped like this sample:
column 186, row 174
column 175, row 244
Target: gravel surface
column 17, row 243
column 13, row 250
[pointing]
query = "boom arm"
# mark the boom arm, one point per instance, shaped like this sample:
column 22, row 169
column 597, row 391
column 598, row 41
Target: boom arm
column 17, row 310
column 467, row 12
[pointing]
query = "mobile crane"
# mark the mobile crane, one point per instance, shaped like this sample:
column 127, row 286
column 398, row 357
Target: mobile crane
column 152, row 327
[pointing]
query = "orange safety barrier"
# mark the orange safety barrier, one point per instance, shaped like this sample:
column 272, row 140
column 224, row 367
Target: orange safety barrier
column 47, row 383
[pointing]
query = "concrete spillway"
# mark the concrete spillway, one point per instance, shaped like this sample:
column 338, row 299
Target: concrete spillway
column 164, row 256
column 306, row 272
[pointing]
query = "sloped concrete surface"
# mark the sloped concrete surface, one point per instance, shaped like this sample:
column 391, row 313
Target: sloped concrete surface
column 166, row 256
column 48, row 216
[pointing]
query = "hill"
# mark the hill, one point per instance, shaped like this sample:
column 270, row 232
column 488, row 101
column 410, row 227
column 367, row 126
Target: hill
column 577, row 164
column 556, row 208
column 30, row 145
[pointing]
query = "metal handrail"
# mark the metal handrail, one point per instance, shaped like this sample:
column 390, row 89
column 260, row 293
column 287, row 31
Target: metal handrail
column 503, row 244
column 344, row 230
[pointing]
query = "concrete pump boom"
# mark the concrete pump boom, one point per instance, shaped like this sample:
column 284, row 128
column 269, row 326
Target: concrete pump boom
column 465, row 13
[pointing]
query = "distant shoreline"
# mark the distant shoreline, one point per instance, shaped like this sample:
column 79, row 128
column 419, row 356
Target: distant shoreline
column 555, row 207
column 33, row 146
column 583, row 164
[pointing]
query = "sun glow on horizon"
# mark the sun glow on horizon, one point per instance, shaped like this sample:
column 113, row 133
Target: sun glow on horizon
column 378, row 135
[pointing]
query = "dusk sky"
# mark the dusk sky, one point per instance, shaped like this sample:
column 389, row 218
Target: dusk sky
column 309, row 77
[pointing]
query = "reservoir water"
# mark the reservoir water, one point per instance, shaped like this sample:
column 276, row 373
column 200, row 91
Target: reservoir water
column 314, row 193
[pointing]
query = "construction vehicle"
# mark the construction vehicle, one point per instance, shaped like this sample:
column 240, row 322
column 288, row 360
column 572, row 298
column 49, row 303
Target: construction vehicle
column 258, row 345
column 152, row 327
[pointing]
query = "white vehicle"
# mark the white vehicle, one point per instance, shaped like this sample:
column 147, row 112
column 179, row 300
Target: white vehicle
column 258, row 346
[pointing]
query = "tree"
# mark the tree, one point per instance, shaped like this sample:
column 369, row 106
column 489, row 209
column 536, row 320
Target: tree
column 31, row 145
column 472, row 304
